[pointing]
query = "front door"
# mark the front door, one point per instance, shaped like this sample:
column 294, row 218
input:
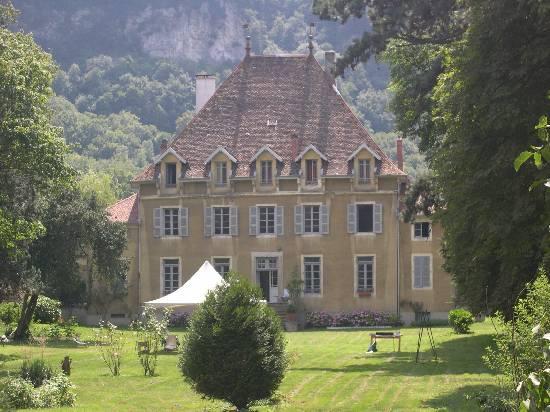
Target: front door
column 267, row 276
column 264, row 283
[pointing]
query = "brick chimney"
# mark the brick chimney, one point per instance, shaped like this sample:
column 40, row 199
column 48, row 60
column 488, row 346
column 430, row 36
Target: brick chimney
column 163, row 145
column 205, row 86
column 330, row 62
column 399, row 147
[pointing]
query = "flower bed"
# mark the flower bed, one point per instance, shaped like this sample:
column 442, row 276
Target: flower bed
column 179, row 319
column 353, row 319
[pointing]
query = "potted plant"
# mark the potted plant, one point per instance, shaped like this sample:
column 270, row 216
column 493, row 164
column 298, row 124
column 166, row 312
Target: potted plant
column 365, row 293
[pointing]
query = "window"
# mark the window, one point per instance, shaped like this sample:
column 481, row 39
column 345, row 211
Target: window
column 171, row 221
column 222, row 224
column 170, row 275
column 312, row 274
column 311, row 171
column 222, row 265
column 365, row 273
column 267, row 219
column 365, row 218
column 221, row 173
column 422, row 230
column 364, row 171
column 311, row 218
column 269, row 265
column 266, row 172
column 170, row 170
column 422, row 271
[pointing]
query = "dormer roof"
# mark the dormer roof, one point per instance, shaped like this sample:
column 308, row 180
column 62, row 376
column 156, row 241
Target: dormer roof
column 292, row 89
column 266, row 149
column 158, row 159
column 307, row 149
column 367, row 148
column 223, row 150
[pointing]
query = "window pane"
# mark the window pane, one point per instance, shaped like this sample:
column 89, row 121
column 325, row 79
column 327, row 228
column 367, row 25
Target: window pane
column 170, row 174
column 221, row 221
column 311, row 219
column 311, row 171
column 365, row 273
column 365, row 218
column 266, row 219
column 266, row 172
column 421, row 271
column 312, row 275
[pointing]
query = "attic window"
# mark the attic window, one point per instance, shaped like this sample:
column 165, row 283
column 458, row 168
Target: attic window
column 271, row 123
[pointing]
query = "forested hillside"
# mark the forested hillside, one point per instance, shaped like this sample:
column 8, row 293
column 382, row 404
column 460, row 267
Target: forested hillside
column 126, row 77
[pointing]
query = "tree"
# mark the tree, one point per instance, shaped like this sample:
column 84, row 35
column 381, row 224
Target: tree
column 470, row 90
column 77, row 228
column 235, row 350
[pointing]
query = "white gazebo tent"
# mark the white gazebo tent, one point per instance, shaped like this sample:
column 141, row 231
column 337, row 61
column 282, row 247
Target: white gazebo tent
column 194, row 291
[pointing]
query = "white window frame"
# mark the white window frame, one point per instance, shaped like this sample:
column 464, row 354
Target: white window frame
column 355, row 277
column 431, row 271
column 357, row 233
column 214, row 234
column 280, row 275
column 364, row 180
column 317, row 180
column 321, row 275
column 162, row 259
column 258, row 233
column 162, row 227
column 421, row 239
column 213, row 259
column 221, row 182
column 264, row 182
column 304, row 205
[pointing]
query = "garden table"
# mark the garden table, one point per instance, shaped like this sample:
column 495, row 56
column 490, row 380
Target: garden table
column 387, row 335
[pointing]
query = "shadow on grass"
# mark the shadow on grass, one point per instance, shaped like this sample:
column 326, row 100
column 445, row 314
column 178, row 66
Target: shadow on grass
column 8, row 358
column 456, row 356
column 459, row 398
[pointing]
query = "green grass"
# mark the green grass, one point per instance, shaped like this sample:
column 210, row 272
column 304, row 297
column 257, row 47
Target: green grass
column 329, row 371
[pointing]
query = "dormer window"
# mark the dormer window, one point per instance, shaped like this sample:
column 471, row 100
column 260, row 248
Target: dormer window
column 364, row 171
column 170, row 171
column 221, row 173
column 266, row 172
column 311, row 171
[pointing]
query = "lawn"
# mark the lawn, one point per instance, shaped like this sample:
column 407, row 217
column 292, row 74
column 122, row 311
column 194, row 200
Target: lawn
column 329, row 371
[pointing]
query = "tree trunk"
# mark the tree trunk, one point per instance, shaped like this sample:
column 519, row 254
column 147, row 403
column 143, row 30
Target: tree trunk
column 27, row 311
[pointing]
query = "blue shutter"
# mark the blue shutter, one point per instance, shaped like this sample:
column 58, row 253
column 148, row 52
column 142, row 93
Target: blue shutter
column 252, row 220
column 378, row 218
column 279, row 220
column 234, row 221
column 207, row 221
column 325, row 219
column 184, row 218
column 298, row 219
column 352, row 218
column 157, row 222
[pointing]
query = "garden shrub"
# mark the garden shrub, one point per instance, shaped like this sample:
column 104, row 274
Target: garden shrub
column 36, row 371
column 461, row 320
column 357, row 319
column 16, row 393
column 179, row 320
column 110, row 343
column 56, row 391
column 235, row 349
column 150, row 332
column 47, row 310
column 9, row 312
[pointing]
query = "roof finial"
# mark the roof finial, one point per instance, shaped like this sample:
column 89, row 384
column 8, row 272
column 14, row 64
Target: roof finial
column 310, row 32
column 247, row 37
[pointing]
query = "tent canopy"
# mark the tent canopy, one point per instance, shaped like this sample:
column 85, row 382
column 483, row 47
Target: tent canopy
column 194, row 291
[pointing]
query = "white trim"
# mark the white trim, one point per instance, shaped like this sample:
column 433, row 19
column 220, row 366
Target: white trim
column 161, row 156
column 220, row 235
column 421, row 239
column 266, row 149
column 161, row 273
column 361, row 147
column 357, row 233
column 279, row 256
column 310, row 234
column 307, row 149
column 373, row 255
column 162, row 235
column 264, row 235
column 322, row 275
column 413, row 255
column 220, row 149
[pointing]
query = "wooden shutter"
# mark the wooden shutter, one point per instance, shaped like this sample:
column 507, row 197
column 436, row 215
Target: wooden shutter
column 325, row 219
column 417, row 271
column 184, row 219
column 298, row 219
column 421, row 272
column 352, row 218
column 207, row 221
column 426, row 273
column 234, row 221
column 279, row 220
column 378, row 218
column 157, row 222
column 252, row 220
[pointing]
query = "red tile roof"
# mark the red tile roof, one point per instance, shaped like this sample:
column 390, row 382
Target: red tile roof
column 125, row 210
column 292, row 90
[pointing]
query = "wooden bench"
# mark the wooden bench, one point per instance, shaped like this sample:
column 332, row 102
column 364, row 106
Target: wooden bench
column 387, row 335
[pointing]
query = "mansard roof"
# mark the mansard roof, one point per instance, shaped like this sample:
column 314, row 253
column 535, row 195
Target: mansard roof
column 286, row 102
column 125, row 210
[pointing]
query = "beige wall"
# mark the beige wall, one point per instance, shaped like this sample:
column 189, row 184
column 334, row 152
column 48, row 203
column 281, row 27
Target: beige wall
column 338, row 249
